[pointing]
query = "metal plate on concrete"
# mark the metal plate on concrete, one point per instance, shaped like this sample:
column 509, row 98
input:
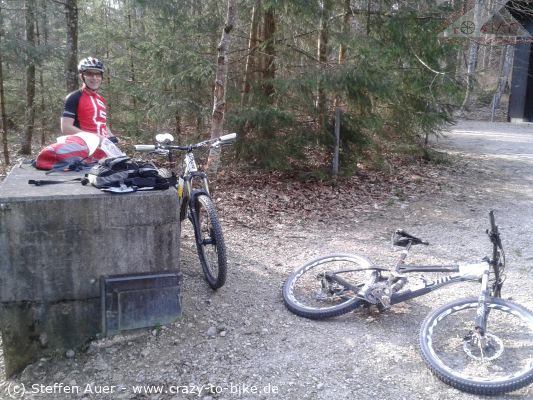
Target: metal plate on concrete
column 140, row 300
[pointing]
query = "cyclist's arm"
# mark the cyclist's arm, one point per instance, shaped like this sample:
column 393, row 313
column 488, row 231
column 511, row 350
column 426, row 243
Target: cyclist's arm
column 68, row 119
column 109, row 133
column 67, row 126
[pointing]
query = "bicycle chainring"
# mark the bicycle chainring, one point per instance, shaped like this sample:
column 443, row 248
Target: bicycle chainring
column 379, row 293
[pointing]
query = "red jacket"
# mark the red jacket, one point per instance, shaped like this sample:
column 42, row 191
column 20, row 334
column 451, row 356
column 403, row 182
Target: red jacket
column 88, row 109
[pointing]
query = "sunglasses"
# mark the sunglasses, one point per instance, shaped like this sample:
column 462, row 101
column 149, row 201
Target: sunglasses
column 92, row 73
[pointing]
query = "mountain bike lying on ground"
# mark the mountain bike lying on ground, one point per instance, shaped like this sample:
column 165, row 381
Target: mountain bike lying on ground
column 193, row 192
column 481, row 345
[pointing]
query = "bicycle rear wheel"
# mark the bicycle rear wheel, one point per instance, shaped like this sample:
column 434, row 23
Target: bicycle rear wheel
column 451, row 349
column 209, row 241
column 328, row 286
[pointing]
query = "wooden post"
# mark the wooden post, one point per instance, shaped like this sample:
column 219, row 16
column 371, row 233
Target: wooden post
column 335, row 171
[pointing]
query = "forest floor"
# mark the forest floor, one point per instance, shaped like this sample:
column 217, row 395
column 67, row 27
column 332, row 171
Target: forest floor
column 242, row 335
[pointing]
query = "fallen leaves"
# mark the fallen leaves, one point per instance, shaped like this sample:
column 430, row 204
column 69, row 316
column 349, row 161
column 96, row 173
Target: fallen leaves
column 264, row 199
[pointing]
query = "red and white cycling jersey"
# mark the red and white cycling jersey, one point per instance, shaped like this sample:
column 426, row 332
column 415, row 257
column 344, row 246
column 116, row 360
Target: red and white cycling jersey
column 88, row 109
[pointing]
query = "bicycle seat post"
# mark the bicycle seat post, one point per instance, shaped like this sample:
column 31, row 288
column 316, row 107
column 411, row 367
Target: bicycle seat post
column 396, row 269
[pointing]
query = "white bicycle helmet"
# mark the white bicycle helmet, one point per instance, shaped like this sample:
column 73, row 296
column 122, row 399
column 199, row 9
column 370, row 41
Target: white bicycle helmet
column 90, row 63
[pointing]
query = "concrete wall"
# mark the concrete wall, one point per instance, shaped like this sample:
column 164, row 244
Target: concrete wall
column 55, row 243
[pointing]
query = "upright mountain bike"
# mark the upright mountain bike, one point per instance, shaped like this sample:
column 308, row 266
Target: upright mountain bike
column 196, row 203
column 482, row 345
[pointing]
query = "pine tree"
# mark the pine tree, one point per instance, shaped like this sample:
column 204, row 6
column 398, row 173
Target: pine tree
column 2, row 97
column 71, row 64
column 29, row 118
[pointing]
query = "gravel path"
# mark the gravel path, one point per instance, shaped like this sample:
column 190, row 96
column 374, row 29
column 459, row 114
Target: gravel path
column 242, row 339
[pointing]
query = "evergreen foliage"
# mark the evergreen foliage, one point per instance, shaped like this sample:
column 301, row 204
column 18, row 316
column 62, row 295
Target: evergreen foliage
column 396, row 84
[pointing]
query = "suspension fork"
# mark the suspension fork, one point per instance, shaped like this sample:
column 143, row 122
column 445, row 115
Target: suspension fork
column 195, row 218
column 188, row 191
column 482, row 309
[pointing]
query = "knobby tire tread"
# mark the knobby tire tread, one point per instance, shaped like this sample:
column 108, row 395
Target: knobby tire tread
column 475, row 387
column 205, row 202
column 319, row 314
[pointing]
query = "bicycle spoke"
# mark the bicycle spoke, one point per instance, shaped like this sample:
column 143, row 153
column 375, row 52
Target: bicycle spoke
column 325, row 287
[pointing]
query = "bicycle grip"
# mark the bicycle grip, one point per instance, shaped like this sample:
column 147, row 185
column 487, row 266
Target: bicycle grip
column 144, row 147
column 228, row 138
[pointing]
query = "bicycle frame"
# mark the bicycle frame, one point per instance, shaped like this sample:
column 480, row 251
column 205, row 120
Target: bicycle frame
column 470, row 272
column 467, row 272
column 389, row 291
column 184, row 185
column 185, row 181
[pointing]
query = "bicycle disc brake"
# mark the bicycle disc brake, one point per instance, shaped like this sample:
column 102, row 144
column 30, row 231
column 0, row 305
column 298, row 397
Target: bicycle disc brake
column 485, row 347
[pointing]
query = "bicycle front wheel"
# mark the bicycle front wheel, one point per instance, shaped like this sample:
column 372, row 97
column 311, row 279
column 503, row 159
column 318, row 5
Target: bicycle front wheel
column 209, row 241
column 328, row 286
column 499, row 362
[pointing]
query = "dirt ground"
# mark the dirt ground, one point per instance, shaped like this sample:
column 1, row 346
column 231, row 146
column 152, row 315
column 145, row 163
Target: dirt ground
column 242, row 336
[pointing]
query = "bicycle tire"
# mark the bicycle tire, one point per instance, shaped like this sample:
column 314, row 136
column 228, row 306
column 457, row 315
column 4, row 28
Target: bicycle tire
column 300, row 292
column 450, row 351
column 209, row 241
column 183, row 210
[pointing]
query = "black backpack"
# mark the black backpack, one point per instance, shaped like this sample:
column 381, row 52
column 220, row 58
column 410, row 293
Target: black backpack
column 122, row 172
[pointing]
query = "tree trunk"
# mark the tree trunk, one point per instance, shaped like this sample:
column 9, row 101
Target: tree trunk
column 2, row 98
column 505, row 69
column 252, row 50
column 131, row 10
column 42, row 106
column 219, row 98
column 323, row 36
column 269, row 54
column 471, row 68
column 130, row 50
column 71, row 65
column 342, row 49
column 369, row 13
column 177, row 117
column 29, row 115
column 337, row 104
column 109, row 104
column 473, row 53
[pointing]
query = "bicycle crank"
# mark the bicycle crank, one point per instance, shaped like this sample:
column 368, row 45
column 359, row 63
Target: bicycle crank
column 379, row 293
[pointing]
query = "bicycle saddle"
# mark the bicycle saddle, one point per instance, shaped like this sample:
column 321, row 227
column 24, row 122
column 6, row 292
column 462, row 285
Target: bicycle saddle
column 401, row 238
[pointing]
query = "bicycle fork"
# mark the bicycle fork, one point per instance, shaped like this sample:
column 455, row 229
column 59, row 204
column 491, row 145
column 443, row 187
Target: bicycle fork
column 195, row 219
column 478, row 336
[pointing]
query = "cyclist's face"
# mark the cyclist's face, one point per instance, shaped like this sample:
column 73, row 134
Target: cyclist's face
column 93, row 79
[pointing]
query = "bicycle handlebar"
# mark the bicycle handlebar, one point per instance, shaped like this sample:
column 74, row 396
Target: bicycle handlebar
column 230, row 137
column 222, row 140
column 145, row 147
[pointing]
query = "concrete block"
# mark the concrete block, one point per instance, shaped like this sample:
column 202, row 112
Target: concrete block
column 55, row 243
